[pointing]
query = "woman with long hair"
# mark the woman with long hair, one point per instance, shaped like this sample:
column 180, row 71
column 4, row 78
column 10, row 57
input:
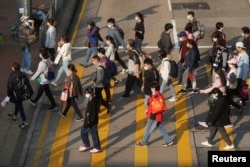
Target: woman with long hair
column 139, row 30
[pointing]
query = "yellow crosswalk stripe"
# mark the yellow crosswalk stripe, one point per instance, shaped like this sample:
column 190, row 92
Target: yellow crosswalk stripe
column 141, row 153
column 184, row 151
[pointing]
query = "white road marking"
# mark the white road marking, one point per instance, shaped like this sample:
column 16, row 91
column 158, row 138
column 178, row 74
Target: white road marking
column 170, row 6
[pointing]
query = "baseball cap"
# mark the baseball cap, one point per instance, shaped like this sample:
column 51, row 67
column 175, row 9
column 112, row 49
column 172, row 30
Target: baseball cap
column 24, row 18
column 182, row 34
column 232, row 61
column 240, row 44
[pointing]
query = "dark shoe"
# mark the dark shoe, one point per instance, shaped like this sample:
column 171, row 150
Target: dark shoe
column 125, row 97
column 194, row 91
column 23, row 125
column 168, row 144
column 182, row 91
column 83, row 65
column 140, row 144
column 12, row 116
column 240, row 110
column 53, row 108
column 116, row 82
column 108, row 109
column 62, row 114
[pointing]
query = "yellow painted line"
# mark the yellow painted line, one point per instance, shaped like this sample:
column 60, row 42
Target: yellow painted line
column 103, row 131
column 141, row 153
column 208, row 70
column 41, row 139
column 61, row 136
column 184, row 151
column 79, row 20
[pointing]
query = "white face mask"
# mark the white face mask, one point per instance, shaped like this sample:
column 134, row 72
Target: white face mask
column 27, row 24
column 145, row 68
column 242, row 34
column 188, row 17
column 180, row 39
column 87, row 96
column 215, row 39
column 136, row 18
column 214, row 97
column 109, row 26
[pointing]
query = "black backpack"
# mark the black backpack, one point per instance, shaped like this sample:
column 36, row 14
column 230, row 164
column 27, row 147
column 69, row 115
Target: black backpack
column 173, row 68
column 22, row 90
column 107, row 76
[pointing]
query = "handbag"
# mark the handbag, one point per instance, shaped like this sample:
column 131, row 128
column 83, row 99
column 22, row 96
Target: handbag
column 32, row 38
column 64, row 95
column 157, row 104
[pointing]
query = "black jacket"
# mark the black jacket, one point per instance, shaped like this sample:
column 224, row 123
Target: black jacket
column 12, row 85
column 91, row 114
column 150, row 76
column 219, row 113
column 165, row 42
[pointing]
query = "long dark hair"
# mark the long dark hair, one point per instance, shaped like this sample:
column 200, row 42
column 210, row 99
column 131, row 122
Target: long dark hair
column 138, row 14
column 111, row 39
column 222, row 76
column 72, row 68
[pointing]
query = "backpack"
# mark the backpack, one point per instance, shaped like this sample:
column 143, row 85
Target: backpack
column 243, row 92
column 218, row 60
column 50, row 75
column 173, row 68
column 112, row 68
column 141, row 58
column 201, row 29
column 107, row 76
column 22, row 90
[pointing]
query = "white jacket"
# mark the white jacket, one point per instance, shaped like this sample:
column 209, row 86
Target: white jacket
column 63, row 52
column 50, row 41
column 42, row 70
column 165, row 69
column 110, row 52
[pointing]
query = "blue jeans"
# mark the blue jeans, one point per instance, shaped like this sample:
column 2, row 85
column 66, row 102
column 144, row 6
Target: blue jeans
column 91, row 50
column 151, row 124
column 26, row 62
column 170, row 85
column 63, row 67
column 94, row 134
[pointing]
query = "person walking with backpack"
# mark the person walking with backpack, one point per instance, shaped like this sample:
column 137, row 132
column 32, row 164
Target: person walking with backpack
column 74, row 87
column 134, row 69
column 154, row 112
column 115, row 32
column 165, row 42
column 151, row 76
column 139, row 30
column 50, row 40
column 195, row 28
column 105, row 62
column 64, row 53
column 15, row 92
column 26, row 29
column 90, row 123
column 165, row 69
column 111, row 54
column 41, row 75
column 100, row 81
column 93, row 36
column 190, row 66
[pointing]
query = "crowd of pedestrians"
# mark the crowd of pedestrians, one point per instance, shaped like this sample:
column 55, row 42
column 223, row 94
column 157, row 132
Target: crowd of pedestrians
column 229, row 72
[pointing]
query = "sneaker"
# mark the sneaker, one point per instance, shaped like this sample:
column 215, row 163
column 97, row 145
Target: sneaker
column 179, row 84
column 22, row 69
column 240, row 110
column 83, row 148
column 29, row 72
column 172, row 99
column 228, row 147
column 53, row 108
column 140, row 144
column 108, row 109
column 125, row 97
column 228, row 126
column 23, row 125
column 204, row 124
column 124, row 71
column 62, row 114
column 54, row 84
column 194, row 91
column 32, row 103
column 95, row 150
column 79, row 119
column 205, row 143
column 12, row 116
column 168, row 144
column 85, row 66
column 182, row 91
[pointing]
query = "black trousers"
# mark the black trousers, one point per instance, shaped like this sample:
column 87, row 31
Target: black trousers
column 72, row 102
column 230, row 93
column 107, row 91
column 98, row 95
column 52, row 53
column 131, row 80
column 19, row 108
column 213, row 131
column 120, row 61
column 45, row 88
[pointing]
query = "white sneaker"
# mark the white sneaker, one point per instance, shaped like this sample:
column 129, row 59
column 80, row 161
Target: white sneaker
column 228, row 126
column 124, row 71
column 22, row 69
column 229, row 147
column 204, row 124
column 29, row 72
column 95, row 150
column 83, row 148
column 54, row 84
column 205, row 143
column 172, row 99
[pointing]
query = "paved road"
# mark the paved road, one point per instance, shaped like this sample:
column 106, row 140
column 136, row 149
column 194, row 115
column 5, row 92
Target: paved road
column 55, row 140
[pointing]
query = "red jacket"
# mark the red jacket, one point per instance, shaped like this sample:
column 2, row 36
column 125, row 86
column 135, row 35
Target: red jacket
column 158, row 116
